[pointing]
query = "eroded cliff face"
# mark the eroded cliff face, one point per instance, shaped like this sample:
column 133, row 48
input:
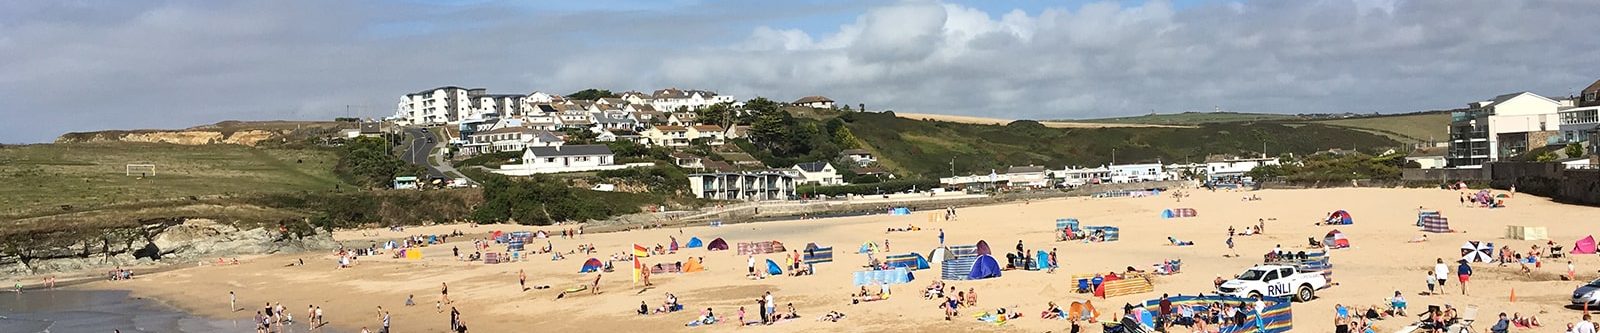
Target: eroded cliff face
column 171, row 242
column 180, row 137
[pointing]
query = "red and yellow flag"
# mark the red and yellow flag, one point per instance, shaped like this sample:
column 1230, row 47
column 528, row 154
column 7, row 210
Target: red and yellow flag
column 637, row 266
column 640, row 251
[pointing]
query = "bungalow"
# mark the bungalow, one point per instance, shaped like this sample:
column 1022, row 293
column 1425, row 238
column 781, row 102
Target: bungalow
column 1127, row 173
column 1027, row 176
column 566, row 158
column 815, row 102
column 1237, row 167
column 687, row 160
column 682, row 119
column 1075, row 176
column 861, row 157
column 872, row 171
column 712, row 134
column 1429, row 157
column 819, row 172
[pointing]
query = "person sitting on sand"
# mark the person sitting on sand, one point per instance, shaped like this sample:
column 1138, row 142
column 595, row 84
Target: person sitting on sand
column 1418, row 239
column 832, row 316
column 972, row 297
column 706, row 318
column 1052, row 312
column 950, row 307
column 1524, row 322
column 644, row 309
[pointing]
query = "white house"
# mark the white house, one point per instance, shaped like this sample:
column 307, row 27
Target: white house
column 510, row 139
column 667, row 135
column 1075, row 176
column 819, row 172
column 1233, row 168
column 672, row 99
column 1027, row 176
column 712, row 134
column 1428, row 157
column 563, row 158
column 1125, row 173
column 744, row 186
column 861, row 157
column 1505, row 126
column 815, row 102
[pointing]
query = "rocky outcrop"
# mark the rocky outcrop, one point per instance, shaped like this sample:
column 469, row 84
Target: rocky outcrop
column 174, row 241
column 183, row 137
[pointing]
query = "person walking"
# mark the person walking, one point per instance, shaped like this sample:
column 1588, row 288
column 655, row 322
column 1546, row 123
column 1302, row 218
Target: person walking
column 1464, row 272
column 444, row 292
column 941, row 236
column 1440, row 271
column 522, row 279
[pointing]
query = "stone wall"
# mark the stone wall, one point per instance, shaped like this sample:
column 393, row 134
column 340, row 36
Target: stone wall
column 1443, row 175
column 1577, row 186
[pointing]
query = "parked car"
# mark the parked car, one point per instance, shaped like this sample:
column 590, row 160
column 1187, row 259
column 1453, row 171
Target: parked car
column 1587, row 294
column 1275, row 281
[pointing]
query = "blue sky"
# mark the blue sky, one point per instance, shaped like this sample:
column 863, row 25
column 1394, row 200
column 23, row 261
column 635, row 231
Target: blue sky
column 83, row 65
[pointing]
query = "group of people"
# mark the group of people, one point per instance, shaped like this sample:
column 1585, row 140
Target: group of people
column 116, row 274
column 1441, row 274
column 955, row 300
column 1209, row 317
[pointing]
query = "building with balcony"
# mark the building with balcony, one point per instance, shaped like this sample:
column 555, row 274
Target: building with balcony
column 1505, row 126
column 743, row 186
column 1579, row 124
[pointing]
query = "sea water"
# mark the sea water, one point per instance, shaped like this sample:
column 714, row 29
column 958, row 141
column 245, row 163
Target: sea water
column 105, row 311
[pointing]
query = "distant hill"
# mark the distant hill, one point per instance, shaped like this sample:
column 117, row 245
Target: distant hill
column 1408, row 128
column 926, row 148
column 1191, row 118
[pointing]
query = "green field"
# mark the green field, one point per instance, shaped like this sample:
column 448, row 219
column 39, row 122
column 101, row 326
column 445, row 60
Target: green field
column 1190, row 118
column 1409, row 128
column 48, row 179
column 925, row 149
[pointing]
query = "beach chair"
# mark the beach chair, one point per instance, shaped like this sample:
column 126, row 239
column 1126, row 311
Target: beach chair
column 1468, row 317
column 1083, row 285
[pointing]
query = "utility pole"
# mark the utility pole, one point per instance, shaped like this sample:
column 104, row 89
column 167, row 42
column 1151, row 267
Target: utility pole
column 952, row 167
column 1113, row 156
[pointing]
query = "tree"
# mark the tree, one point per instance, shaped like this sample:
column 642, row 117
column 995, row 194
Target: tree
column 844, row 139
column 579, row 136
column 846, row 108
column 1573, row 150
column 365, row 161
column 718, row 114
column 756, row 107
column 1545, row 156
column 591, row 94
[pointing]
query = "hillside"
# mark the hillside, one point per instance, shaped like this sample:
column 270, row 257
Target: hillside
column 57, row 178
column 1408, row 128
column 926, row 148
column 1190, row 118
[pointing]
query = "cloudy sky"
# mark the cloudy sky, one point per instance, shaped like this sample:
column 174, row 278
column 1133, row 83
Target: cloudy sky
column 76, row 65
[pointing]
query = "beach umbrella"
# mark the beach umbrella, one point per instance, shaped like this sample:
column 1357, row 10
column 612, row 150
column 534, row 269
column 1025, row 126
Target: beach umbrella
column 1475, row 251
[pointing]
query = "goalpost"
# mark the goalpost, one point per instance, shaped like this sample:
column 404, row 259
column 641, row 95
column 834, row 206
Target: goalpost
column 143, row 169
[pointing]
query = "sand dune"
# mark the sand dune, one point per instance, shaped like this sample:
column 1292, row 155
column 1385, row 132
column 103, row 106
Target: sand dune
column 1380, row 263
column 997, row 121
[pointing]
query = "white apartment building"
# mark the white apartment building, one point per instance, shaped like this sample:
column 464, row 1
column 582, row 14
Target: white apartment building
column 435, row 106
column 509, row 139
column 1505, row 126
column 744, row 186
column 672, row 99
column 1075, row 176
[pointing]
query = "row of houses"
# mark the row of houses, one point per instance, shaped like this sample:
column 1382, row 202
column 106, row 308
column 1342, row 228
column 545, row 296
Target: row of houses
column 451, row 104
column 1223, row 169
column 1512, row 124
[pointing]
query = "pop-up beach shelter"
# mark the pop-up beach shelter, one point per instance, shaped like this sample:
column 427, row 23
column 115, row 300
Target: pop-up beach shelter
column 1336, row 240
column 717, row 245
column 693, row 265
column 694, row 242
column 773, row 268
column 909, row 261
column 1584, row 246
column 590, row 265
column 1178, row 212
column 936, row 256
column 868, row 247
column 1339, row 217
column 1042, row 260
column 899, row 211
column 983, row 248
column 985, row 267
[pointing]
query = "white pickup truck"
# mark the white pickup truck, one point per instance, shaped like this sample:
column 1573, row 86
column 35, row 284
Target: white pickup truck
column 1275, row 281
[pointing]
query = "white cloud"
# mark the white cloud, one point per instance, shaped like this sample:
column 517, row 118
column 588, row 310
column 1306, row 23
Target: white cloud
column 173, row 64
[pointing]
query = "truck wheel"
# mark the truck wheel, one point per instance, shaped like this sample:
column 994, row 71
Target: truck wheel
column 1305, row 294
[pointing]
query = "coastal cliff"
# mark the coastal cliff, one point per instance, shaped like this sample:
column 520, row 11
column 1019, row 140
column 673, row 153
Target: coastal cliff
column 158, row 241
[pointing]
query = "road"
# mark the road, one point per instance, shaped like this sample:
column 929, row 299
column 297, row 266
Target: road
column 419, row 151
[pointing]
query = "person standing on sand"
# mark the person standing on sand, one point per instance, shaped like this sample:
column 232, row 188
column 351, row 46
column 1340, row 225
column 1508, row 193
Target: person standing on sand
column 522, row 279
column 444, row 293
column 772, row 309
column 594, row 288
column 1464, row 272
column 233, row 301
column 941, row 236
column 751, row 263
column 1440, row 271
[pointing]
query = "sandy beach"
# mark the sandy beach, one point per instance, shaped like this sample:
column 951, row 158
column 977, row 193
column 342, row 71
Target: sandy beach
column 1379, row 263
